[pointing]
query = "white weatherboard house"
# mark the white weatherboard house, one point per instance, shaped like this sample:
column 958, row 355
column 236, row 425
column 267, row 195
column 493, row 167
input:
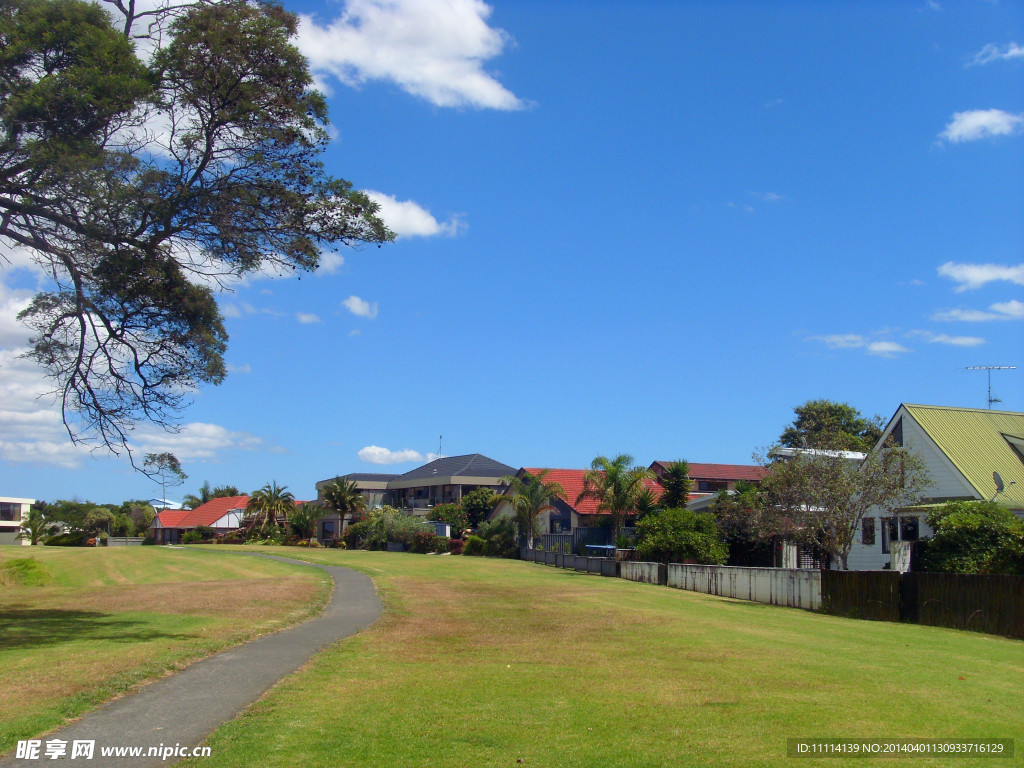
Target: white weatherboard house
column 12, row 512
column 967, row 452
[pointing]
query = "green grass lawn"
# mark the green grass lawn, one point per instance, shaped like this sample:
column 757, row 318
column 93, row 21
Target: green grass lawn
column 81, row 626
column 487, row 662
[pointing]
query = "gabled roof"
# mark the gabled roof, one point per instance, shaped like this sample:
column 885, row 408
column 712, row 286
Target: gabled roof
column 572, row 481
column 204, row 514
column 749, row 472
column 470, row 465
column 979, row 442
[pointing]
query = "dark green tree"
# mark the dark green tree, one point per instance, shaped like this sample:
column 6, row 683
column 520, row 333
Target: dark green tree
column 680, row 536
column 824, row 423
column 136, row 185
column 37, row 526
column 615, row 485
column 529, row 497
column 268, row 505
column 974, row 537
column 478, row 504
column 677, row 484
column 343, row 496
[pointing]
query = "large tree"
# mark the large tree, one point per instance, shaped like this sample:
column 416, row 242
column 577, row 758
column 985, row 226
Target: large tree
column 138, row 182
column 269, row 504
column 819, row 496
column 677, row 484
column 530, row 496
column 343, row 496
column 615, row 484
column 824, row 423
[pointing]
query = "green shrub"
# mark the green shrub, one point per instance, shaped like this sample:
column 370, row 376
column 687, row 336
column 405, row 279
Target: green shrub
column 500, row 536
column 205, row 532
column 148, row 541
column 680, row 536
column 453, row 514
column 356, row 534
column 973, row 537
column 72, row 539
column 427, row 541
column 475, row 546
column 191, row 537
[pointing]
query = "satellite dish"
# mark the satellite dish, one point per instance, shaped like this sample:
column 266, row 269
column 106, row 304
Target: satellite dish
column 1000, row 486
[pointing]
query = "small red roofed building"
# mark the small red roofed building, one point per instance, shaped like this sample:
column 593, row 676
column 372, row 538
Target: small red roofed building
column 223, row 515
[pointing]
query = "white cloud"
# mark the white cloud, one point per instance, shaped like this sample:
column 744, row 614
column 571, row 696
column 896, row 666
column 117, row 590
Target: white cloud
column 408, row 218
column 432, row 49
column 306, row 317
column 244, row 368
column 360, row 307
column 857, row 341
column 330, row 262
column 993, row 52
column 842, row 340
column 982, row 124
column 196, row 441
column 374, row 454
column 886, row 348
column 1006, row 310
column 957, row 341
column 971, row 276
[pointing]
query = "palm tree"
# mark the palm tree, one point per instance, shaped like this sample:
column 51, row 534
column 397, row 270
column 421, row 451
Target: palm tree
column 677, row 484
column 529, row 498
column 36, row 526
column 615, row 485
column 343, row 497
column 268, row 503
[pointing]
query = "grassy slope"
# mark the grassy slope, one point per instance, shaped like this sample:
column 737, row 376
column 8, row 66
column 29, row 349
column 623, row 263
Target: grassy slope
column 81, row 626
column 483, row 662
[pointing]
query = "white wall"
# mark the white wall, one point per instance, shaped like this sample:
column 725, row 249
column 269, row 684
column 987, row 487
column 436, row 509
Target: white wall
column 792, row 587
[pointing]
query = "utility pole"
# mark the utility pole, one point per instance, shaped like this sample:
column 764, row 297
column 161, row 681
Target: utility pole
column 991, row 368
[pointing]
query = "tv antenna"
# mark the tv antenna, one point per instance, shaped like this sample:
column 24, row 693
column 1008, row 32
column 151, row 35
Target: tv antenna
column 991, row 368
column 440, row 440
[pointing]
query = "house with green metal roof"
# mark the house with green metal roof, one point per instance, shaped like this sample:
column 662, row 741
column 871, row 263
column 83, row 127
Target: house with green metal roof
column 971, row 454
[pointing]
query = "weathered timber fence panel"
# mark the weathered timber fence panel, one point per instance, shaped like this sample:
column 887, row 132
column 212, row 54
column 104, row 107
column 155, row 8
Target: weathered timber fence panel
column 648, row 573
column 981, row 602
column 861, row 594
column 792, row 587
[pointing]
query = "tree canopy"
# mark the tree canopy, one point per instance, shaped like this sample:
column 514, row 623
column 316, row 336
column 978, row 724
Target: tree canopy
column 824, row 423
column 819, row 497
column 140, row 181
column 616, row 486
column 974, row 537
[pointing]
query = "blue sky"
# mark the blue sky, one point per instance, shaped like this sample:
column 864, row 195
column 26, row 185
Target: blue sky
column 650, row 228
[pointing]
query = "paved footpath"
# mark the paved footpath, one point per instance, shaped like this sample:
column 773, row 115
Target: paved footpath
column 185, row 708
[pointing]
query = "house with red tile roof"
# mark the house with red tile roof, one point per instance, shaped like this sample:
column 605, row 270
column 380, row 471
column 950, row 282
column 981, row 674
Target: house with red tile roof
column 712, row 478
column 567, row 514
column 222, row 514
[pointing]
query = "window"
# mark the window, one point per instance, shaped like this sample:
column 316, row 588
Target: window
column 710, row 486
column 10, row 512
column 909, row 529
column 867, row 531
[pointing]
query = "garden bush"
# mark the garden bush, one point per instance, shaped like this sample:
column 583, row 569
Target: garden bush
column 428, row 541
column 475, row 546
column 191, row 537
column 973, row 537
column 680, row 536
column 355, row 535
column 455, row 546
column 72, row 539
column 500, row 536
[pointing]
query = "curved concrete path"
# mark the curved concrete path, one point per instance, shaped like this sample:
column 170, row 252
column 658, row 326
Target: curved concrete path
column 187, row 707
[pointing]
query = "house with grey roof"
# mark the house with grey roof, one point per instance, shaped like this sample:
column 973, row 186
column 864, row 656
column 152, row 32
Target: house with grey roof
column 445, row 481
column 442, row 481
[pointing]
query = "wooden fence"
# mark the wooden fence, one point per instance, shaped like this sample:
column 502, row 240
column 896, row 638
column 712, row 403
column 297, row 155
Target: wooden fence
column 984, row 603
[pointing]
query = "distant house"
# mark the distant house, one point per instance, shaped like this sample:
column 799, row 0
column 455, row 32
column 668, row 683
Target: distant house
column 12, row 512
column 224, row 514
column 710, row 479
column 966, row 452
column 568, row 515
